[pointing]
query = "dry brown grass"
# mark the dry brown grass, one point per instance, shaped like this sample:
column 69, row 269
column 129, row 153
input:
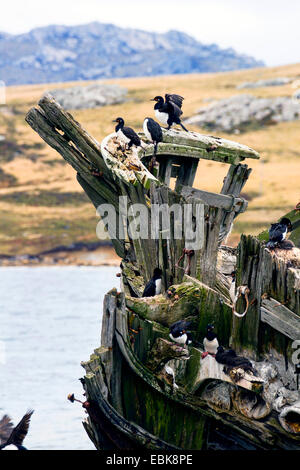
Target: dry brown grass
column 273, row 187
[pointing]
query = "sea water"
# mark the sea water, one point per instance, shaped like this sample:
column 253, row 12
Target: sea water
column 50, row 321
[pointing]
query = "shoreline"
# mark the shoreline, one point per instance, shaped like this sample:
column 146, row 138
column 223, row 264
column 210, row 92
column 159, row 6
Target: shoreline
column 83, row 254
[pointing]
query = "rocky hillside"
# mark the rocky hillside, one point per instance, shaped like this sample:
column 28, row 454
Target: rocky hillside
column 244, row 112
column 89, row 96
column 93, row 51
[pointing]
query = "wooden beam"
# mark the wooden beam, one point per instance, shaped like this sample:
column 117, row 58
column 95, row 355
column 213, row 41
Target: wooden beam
column 233, row 184
column 195, row 145
column 221, row 201
column 280, row 318
column 187, row 173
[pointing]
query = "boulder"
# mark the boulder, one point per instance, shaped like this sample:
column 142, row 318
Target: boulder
column 245, row 111
column 89, row 96
column 263, row 83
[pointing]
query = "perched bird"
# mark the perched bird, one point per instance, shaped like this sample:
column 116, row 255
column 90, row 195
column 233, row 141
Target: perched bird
column 231, row 360
column 277, row 232
column 12, row 438
column 210, row 342
column 168, row 110
column 153, row 287
column 179, row 333
column 153, row 132
column 126, row 134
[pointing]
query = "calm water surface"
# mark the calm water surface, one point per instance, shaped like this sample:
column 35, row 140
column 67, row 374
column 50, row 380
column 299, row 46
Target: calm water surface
column 50, row 321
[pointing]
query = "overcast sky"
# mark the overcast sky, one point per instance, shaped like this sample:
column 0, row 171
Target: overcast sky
column 266, row 29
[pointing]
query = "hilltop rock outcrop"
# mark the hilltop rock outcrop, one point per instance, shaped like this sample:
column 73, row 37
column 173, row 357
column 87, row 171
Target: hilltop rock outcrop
column 90, row 96
column 269, row 82
column 241, row 112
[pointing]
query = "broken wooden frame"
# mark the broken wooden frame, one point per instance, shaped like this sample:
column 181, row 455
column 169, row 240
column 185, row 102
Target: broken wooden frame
column 130, row 398
column 116, row 373
column 273, row 317
column 178, row 156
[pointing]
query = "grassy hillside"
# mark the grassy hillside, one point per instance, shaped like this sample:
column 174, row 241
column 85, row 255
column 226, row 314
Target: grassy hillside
column 42, row 205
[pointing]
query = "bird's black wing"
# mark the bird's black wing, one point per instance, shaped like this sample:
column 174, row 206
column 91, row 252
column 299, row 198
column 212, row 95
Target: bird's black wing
column 177, row 99
column 180, row 325
column 172, row 109
column 149, row 290
column 276, row 232
column 6, row 427
column 20, row 431
column 155, row 130
column 132, row 135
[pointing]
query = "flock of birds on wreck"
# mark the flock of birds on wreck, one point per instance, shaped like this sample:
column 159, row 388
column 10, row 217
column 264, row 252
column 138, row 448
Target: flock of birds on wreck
column 168, row 111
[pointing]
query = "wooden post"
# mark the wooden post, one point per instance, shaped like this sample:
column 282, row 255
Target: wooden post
column 233, row 185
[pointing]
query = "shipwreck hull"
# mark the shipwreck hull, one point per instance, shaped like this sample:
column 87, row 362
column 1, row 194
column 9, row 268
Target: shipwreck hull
column 136, row 409
column 132, row 401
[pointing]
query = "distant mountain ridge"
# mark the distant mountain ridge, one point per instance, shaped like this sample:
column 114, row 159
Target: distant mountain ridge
column 102, row 51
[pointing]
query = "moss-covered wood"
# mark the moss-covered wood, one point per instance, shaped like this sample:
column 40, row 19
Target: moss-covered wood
column 195, row 145
column 179, row 426
column 130, row 405
column 268, row 275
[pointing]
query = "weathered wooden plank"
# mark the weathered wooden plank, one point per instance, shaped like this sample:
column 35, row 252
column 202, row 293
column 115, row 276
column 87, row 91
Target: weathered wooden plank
column 195, row 145
column 165, row 170
column 73, row 131
column 233, row 185
column 222, row 201
column 175, row 170
column 108, row 319
column 187, row 173
column 123, row 434
column 280, row 318
column 251, row 266
column 37, row 119
column 235, row 179
column 187, row 151
column 206, row 270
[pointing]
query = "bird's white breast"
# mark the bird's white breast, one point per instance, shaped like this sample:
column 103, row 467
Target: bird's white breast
column 284, row 234
column 181, row 339
column 162, row 117
column 123, row 136
column 211, row 346
column 10, row 447
column 146, row 131
column 157, row 286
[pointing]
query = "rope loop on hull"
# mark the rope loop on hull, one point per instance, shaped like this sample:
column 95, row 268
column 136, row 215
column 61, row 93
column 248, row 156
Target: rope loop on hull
column 242, row 290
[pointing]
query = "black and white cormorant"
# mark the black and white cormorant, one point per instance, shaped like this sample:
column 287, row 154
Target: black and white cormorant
column 153, row 132
column 168, row 110
column 278, row 231
column 126, row 134
column 230, row 359
column 179, row 333
column 210, row 342
column 153, row 287
column 12, row 438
